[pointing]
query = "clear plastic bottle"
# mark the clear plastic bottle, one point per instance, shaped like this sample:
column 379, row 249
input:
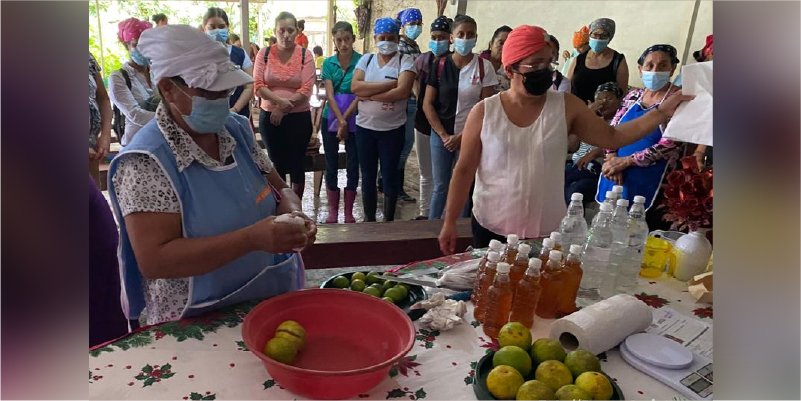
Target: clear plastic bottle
column 493, row 257
column 483, row 286
column 521, row 263
column 620, row 217
column 596, row 256
column 557, row 241
column 527, row 295
column 573, row 226
column 547, row 247
column 499, row 301
column 573, row 274
column 552, row 280
column 638, row 231
column 611, row 200
column 512, row 241
column 618, row 189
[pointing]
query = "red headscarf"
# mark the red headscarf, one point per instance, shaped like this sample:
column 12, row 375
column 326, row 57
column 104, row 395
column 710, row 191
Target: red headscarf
column 522, row 42
column 131, row 28
column 707, row 50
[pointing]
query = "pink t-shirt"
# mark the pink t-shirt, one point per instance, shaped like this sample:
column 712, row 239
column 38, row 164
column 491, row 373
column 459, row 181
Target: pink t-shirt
column 284, row 79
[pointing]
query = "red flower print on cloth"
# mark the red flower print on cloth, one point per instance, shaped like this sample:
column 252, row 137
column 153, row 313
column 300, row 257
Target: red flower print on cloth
column 427, row 337
column 653, row 301
column 491, row 346
column 405, row 365
column 703, row 312
column 153, row 374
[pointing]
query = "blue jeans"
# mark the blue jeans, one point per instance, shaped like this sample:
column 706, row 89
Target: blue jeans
column 411, row 110
column 581, row 181
column 331, row 147
column 374, row 147
column 442, row 162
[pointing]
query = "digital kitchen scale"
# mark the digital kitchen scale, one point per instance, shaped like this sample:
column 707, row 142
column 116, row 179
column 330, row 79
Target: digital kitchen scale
column 671, row 363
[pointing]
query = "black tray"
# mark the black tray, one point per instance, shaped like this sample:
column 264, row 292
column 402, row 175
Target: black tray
column 416, row 293
column 485, row 366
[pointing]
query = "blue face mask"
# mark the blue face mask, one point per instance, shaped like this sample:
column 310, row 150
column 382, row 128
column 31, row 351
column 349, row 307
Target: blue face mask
column 138, row 58
column 464, row 46
column 598, row 45
column 220, row 35
column 655, row 80
column 413, row 31
column 207, row 116
column 438, row 47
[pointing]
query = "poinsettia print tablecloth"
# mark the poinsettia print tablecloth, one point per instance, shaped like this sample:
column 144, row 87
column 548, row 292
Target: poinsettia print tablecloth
column 205, row 358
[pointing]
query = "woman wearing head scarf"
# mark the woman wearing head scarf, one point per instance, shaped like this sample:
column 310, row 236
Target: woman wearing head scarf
column 284, row 76
column 599, row 64
column 514, row 144
column 130, row 88
column 439, row 46
column 215, row 24
column 456, row 84
column 640, row 166
column 195, row 196
column 581, row 43
column 383, row 82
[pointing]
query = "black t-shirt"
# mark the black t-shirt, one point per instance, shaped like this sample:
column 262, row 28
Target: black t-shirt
column 447, row 92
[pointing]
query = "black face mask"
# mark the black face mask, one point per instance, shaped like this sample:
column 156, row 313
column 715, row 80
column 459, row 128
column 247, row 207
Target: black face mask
column 537, row 82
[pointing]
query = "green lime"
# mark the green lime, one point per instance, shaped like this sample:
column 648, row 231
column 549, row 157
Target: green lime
column 406, row 286
column 388, row 284
column 373, row 277
column 341, row 282
column 358, row 276
column 388, row 299
column 395, row 293
column 377, row 287
column 403, row 290
column 357, row 285
column 372, row 291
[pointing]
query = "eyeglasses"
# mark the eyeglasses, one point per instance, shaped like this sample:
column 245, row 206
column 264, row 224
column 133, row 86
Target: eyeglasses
column 526, row 68
column 600, row 35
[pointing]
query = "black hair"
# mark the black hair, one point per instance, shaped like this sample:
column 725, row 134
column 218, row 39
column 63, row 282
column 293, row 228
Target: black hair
column 502, row 29
column 233, row 37
column 699, row 56
column 302, row 24
column 287, row 15
column 462, row 19
column 554, row 41
column 159, row 17
column 216, row 12
column 342, row 26
column 317, row 50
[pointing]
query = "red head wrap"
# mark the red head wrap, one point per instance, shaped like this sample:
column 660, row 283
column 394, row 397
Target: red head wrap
column 522, row 42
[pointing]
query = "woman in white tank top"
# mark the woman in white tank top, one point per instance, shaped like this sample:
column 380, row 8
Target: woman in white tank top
column 514, row 144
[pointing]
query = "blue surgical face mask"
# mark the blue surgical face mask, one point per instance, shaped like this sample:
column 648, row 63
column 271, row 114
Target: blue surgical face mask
column 386, row 47
column 220, row 35
column 138, row 58
column 207, row 116
column 598, row 45
column 655, row 80
column 438, row 47
column 464, row 46
column 413, row 31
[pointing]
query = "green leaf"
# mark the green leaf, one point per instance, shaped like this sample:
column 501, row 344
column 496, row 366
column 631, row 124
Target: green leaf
column 195, row 396
column 147, row 368
column 140, row 377
column 429, row 345
column 396, row 393
column 94, row 353
column 242, row 346
column 149, row 382
column 420, row 394
column 392, row 372
column 468, row 380
column 166, row 366
column 167, row 376
column 269, row 383
column 473, row 365
column 210, row 397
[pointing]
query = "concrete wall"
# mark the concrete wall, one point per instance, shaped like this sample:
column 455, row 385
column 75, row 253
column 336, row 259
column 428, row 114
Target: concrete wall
column 639, row 24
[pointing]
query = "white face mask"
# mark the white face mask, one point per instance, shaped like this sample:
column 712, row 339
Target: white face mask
column 386, row 47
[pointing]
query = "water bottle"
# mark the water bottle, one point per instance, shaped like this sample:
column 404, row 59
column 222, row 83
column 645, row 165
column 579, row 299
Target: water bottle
column 611, row 198
column 637, row 235
column 573, row 226
column 597, row 253
column 618, row 189
column 620, row 245
column 620, row 222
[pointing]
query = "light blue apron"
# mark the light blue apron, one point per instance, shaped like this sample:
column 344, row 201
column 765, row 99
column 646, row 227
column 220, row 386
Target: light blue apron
column 213, row 201
column 644, row 181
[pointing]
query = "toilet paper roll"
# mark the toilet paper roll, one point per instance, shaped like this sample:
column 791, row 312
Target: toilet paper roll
column 603, row 325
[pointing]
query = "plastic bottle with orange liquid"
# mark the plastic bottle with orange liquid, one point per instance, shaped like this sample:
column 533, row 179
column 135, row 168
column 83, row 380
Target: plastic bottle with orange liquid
column 483, row 286
column 521, row 264
column 547, row 247
column 552, row 280
column 527, row 295
column 557, row 241
column 573, row 273
column 499, row 301
column 512, row 241
column 497, row 247
column 493, row 258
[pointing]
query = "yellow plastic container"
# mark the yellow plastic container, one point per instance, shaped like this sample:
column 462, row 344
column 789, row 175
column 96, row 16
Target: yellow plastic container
column 657, row 255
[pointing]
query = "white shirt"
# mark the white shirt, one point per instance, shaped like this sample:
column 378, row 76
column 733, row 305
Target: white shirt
column 130, row 101
column 247, row 63
column 470, row 88
column 383, row 116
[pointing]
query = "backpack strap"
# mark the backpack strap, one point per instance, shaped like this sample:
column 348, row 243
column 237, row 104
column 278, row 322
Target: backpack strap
column 441, row 67
column 266, row 54
column 616, row 63
column 302, row 57
column 369, row 59
column 126, row 77
column 480, row 69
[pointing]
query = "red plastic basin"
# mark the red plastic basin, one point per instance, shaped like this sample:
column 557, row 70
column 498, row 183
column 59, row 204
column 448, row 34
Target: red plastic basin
column 352, row 340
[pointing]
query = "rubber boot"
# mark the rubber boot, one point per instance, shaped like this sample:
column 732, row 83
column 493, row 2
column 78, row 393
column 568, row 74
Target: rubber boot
column 389, row 207
column 369, row 205
column 350, row 198
column 333, row 206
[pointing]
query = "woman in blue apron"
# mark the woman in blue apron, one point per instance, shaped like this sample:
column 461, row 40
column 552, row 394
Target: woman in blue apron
column 640, row 166
column 195, row 196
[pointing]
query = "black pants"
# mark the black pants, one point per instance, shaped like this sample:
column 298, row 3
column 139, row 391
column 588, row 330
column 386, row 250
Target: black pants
column 376, row 147
column 482, row 236
column 331, row 146
column 287, row 142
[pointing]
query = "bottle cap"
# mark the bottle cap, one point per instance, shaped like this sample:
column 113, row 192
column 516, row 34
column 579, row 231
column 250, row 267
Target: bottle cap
column 523, row 249
column 623, row 202
column 547, row 243
column 556, row 236
column 639, row 199
column 611, row 195
column 493, row 256
column 577, row 196
column 503, row 267
column 512, row 239
column 617, row 188
column 496, row 245
column 605, row 207
column 534, row 265
column 555, row 255
column 576, row 249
